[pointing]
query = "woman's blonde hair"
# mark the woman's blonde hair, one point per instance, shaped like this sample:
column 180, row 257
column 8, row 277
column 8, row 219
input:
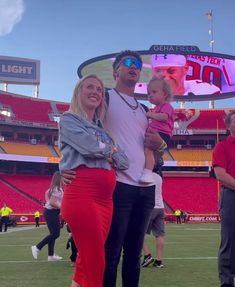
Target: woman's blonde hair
column 76, row 103
column 166, row 88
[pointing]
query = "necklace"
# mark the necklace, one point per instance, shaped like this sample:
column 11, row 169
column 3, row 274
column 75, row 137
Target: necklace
column 133, row 107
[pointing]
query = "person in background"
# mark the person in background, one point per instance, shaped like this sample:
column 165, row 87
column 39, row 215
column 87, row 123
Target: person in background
column 223, row 162
column 161, row 120
column 89, row 150
column 133, row 202
column 51, row 212
column 37, row 218
column 157, row 227
column 178, row 216
column 5, row 213
column 71, row 245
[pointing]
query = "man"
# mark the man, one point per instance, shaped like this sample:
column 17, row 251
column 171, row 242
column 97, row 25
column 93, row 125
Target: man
column 224, row 167
column 37, row 218
column 157, row 227
column 174, row 68
column 133, row 202
column 5, row 213
column 178, row 216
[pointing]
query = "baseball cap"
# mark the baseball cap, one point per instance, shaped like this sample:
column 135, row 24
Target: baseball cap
column 168, row 60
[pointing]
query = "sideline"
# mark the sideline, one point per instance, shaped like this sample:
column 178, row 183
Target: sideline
column 16, row 229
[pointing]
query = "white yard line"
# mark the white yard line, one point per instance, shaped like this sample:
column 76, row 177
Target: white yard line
column 16, row 229
column 167, row 258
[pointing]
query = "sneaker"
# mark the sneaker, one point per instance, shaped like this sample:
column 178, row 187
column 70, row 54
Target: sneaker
column 158, row 263
column 147, row 176
column 54, row 258
column 35, row 251
column 148, row 259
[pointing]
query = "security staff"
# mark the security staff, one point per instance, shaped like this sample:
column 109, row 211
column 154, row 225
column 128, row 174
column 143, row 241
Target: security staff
column 5, row 214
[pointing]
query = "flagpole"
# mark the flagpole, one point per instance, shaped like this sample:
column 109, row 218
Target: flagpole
column 217, row 140
column 211, row 43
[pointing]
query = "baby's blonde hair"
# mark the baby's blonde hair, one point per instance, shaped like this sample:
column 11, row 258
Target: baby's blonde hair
column 166, row 88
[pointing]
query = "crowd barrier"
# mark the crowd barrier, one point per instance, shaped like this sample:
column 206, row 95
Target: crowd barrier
column 195, row 218
column 24, row 219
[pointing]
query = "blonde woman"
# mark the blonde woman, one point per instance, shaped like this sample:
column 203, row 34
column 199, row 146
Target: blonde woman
column 87, row 205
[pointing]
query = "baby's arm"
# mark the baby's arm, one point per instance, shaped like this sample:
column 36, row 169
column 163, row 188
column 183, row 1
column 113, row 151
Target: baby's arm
column 162, row 117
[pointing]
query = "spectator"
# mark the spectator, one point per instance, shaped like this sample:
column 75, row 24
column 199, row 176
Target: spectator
column 5, row 213
column 224, row 167
column 157, row 227
column 52, row 216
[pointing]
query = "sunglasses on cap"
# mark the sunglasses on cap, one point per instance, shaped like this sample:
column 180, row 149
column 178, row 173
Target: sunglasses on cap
column 128, row 62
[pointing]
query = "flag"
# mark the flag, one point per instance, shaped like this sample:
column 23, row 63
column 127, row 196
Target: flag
column 209, row 15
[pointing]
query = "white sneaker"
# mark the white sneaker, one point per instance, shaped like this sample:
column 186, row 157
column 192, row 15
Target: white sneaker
column 54, row 258
column 35, row 251
column 147, row 176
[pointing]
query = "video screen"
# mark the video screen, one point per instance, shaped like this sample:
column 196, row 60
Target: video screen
column 190, row 75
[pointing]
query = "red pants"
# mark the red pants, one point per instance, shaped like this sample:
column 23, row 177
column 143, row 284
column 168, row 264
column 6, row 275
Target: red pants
column 87, row 207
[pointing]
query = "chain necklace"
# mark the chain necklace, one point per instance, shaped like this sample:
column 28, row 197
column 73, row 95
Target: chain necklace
column 133, row 107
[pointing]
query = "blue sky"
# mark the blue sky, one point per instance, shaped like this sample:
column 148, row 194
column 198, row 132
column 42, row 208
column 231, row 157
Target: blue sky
column 64, row 33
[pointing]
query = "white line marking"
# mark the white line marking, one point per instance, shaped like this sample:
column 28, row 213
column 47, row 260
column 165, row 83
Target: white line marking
column 167, row 258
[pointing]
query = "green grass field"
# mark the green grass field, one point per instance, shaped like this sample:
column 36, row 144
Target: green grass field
column 190, row 259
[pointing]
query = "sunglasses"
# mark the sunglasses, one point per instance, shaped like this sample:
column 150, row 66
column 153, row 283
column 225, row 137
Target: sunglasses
column 128, row 62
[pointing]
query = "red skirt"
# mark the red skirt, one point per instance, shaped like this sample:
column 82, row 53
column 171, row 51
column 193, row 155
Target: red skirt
column 87, row 207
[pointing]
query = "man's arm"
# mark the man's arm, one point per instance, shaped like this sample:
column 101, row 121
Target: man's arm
column 226, row 179
column 152, row 140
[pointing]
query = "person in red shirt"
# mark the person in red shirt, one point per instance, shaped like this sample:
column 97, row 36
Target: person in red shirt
column 224, row 167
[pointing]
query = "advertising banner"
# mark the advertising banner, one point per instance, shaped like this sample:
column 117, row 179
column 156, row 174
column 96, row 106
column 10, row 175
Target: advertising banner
column 19, row 71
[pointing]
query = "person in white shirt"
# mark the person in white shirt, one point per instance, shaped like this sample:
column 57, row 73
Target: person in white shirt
column 51, row 214
column 156, row 227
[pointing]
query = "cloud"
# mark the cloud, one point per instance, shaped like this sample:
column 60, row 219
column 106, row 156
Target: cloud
column 11, row 12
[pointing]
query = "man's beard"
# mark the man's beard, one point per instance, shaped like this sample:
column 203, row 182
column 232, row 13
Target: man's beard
column 130, row 83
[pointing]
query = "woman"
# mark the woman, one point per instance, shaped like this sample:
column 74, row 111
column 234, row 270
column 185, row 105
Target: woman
column 52, row 216
column 87, row 204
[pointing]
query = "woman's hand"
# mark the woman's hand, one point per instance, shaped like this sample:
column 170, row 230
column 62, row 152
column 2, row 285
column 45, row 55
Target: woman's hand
column 114, row 149
column 67, row 176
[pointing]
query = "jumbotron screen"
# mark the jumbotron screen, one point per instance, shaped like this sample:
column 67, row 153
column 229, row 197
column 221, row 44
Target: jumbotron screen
column 192, row 74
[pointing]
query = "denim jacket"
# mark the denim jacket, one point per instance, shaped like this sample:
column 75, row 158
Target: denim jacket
column 84, row 143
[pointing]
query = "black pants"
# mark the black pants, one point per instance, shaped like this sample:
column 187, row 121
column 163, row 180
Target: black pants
column 4, row 221
column 74, row 250
column 52, row 217
column 132, row 209
column 178, row 219
column 226, row 258
column 37, row 222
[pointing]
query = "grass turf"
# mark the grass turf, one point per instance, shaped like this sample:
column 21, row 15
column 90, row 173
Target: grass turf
column 190, row 259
